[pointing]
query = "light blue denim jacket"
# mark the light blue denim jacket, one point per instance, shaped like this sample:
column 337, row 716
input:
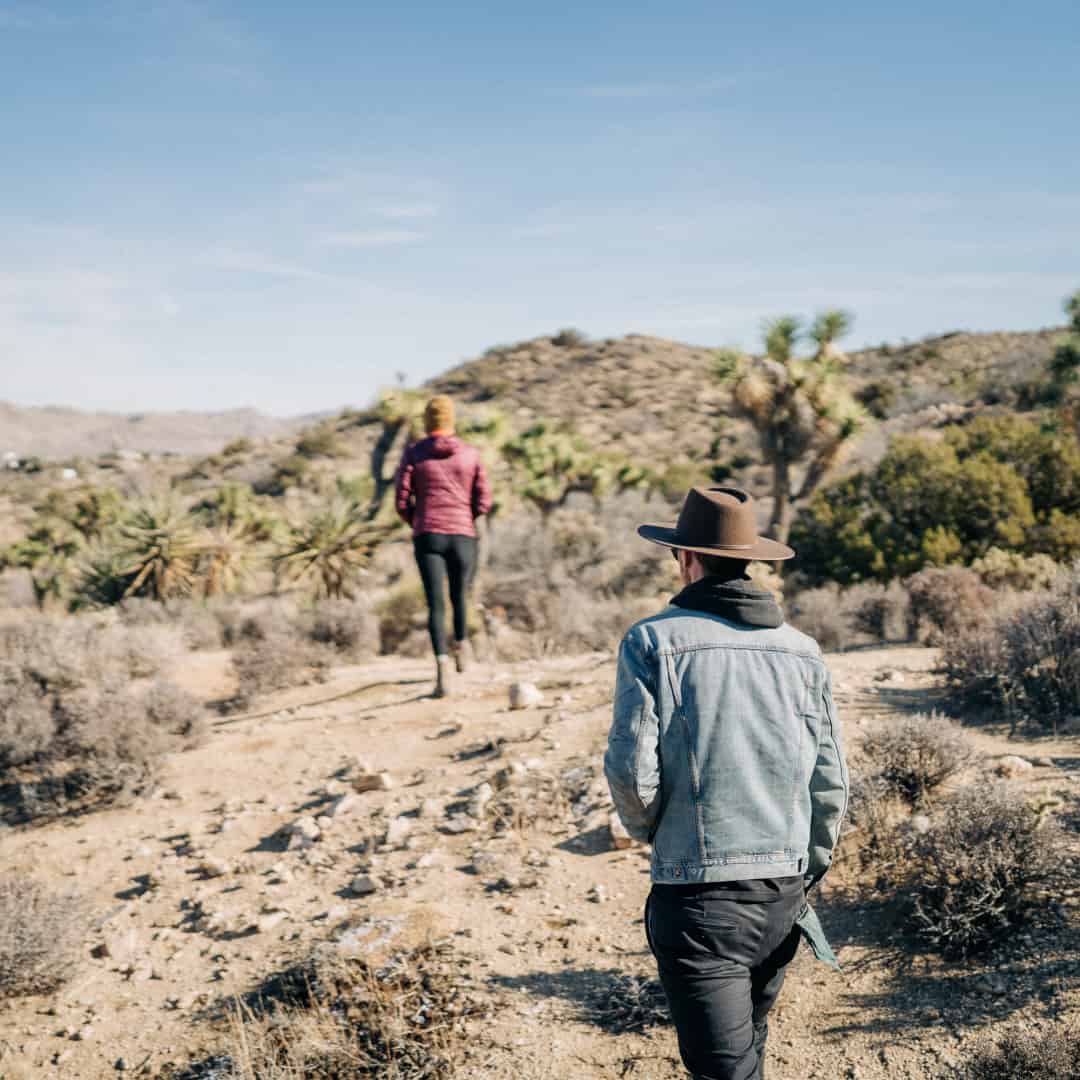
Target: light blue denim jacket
column 724, row 752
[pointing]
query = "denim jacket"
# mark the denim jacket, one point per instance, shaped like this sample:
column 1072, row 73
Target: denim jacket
column 724, row 752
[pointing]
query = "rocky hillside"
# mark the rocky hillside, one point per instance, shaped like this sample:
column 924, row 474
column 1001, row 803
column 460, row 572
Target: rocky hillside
column 54, row 433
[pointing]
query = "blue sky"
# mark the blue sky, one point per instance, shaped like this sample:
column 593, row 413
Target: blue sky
column 206, row 205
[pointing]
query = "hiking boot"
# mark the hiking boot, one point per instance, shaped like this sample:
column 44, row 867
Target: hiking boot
column 463, row 655
column 443, row 680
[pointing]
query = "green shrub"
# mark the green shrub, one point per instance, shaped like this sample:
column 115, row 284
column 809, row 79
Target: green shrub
column 1012, row 570
column 946, row 602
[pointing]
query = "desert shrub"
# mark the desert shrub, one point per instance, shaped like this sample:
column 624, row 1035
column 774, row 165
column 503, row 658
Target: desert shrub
column 193, row 618
column 818, row 612
column 1010, row 483
column 340, row 1019
column 350, row 628
column 319, row 442
column 1010, row 570
column 1028, row 1055
column 878, row 398
column 175, row 711
column 277, row 661
column 400, row 613
column 978, row 872
column 914, row 755
column 1025, row 665
column 879, row 611
column 75, row 731
column 870, row 829
column 946, row 601
column 41, row 932
column 569, row 338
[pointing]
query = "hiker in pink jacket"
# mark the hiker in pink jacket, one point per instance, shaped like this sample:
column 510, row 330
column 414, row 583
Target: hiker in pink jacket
column 441, row 490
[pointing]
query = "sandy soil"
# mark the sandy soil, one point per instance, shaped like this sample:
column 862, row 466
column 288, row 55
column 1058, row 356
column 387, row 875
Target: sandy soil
column 198, row 895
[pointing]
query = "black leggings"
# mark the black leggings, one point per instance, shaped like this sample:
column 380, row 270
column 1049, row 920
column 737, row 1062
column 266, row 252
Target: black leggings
column 441, row 557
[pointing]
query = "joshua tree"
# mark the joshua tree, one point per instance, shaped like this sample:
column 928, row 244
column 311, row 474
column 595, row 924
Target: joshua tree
column 154, row 552
column 331, row 549
column 227, row 560
column 397, row 411
column 1065, row 363
column 803, row 412
column 236, row 508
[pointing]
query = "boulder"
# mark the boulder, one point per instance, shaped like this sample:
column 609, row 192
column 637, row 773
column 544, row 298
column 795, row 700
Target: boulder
column 1012, row 766
column 525, row 695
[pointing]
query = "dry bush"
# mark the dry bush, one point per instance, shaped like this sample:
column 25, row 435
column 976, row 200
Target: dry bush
column 629, row 1003
column 986, row 863
column 277, row 661
column 946, row 601
column 881, row 612
column 871, row 830
column 194, row 619
column 819, row 613
column 914, row 755
column 75, row 730
column 349, row 627
column 342, row 1019
column 401, row 613
column 41, row 933
column 1028, row 1055
column 1026, row 664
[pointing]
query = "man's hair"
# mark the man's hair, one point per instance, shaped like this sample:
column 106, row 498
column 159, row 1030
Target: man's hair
column 718, row 566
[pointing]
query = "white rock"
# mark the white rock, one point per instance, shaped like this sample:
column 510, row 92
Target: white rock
column 344, row 805
column 525, row 695
column 431, row 808
column 920, row 823
column 460, row 823
column 1012, row 765
column 397, row 831
column 620, row 838
column 270, row 920
column 362, row 885
column 303, row 832
column 333, row 788
column 508, row 775
column 597, row 894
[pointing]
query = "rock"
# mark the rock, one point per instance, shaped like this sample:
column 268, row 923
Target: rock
column 1012, row 766
column 460, row 823
column 372, row 782
column 508, row 775
column 525, row 695
column 213, row 867
column 362, row 885
column 920, row 824
column 270, row 920
column 332, row 789
column 480, row 798
column 120, row 1065
column 620, row 838
column 303, row 832
column 597, row 894
column 344, row 805
column 1044, row 762
column 431, row 808
column 397, row 831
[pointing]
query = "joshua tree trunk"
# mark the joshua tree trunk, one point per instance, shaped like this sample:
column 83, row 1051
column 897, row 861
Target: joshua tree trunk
column 379, row 454
column 780, row 520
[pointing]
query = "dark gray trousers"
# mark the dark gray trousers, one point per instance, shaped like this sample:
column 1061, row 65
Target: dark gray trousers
column 722, row 963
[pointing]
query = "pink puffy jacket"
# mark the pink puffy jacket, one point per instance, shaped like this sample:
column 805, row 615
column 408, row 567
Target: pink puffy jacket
column 442, row 486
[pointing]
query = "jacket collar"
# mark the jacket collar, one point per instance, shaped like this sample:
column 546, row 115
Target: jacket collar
column 737, row 599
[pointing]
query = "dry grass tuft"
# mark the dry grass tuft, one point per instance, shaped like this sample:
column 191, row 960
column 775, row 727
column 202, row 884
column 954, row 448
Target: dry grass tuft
column 41, row 933
column 1029, row 1055
column 629, row 1003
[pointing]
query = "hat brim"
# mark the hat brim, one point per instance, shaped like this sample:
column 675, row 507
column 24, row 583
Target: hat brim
column 764, row 550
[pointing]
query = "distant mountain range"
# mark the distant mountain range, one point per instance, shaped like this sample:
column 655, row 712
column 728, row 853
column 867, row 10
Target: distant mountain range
column 54, row 432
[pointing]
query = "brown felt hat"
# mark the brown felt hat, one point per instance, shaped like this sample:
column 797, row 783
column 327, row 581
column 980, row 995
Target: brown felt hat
column 718, row 521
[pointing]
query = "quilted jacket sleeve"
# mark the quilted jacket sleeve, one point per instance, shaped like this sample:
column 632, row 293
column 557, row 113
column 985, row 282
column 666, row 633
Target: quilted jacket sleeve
column 403, row 484
column 481, row 491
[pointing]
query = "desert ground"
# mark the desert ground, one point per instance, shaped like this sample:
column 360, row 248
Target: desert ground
column 206, row 888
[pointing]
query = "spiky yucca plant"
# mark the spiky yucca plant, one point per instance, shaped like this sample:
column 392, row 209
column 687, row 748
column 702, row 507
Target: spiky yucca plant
column 227, row 560
column 330, row 550
column 804, row 414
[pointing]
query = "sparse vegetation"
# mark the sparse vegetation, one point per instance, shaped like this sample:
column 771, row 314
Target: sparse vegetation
column 980, row 871
column 41, row 932
column 1045, row 1054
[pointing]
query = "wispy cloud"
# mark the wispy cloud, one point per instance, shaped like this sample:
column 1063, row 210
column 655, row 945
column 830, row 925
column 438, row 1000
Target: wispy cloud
column 371, row 238
column 632, row 91
column 253, row 262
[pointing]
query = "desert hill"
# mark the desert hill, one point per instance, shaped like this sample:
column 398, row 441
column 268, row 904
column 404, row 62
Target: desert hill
column 53, row 432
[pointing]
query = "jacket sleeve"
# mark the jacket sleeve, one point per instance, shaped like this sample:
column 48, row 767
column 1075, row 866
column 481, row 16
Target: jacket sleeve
column 403, row 487
column 632, row 761
column 481, row 491
column 828, row 791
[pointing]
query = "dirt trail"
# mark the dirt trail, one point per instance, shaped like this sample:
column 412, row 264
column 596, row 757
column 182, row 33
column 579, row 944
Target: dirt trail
column 198, row 895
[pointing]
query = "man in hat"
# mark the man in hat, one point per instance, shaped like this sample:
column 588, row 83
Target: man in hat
column 725, row 756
